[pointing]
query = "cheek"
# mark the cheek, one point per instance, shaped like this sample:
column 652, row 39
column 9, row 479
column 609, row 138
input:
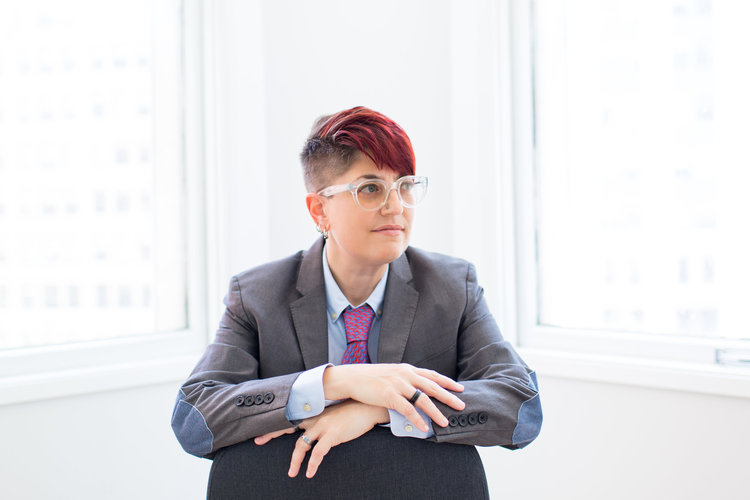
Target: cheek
column 347, row 224
column 409, row 216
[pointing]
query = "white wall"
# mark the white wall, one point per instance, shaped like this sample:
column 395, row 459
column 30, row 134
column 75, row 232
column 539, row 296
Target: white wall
column 615, row 442
column 431, row 66
column 110, row 445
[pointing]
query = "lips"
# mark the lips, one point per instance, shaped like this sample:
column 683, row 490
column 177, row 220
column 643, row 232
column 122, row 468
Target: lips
column 389, row 229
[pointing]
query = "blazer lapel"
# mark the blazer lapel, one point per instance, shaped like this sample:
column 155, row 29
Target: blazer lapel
column 309, row 311
column 399, row 308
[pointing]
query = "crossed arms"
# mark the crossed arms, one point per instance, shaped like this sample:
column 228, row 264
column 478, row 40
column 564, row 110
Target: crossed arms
column 256, row 358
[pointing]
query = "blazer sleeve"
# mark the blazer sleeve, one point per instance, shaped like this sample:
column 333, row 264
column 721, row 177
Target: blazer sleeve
column 224, row 401
column 500, row 391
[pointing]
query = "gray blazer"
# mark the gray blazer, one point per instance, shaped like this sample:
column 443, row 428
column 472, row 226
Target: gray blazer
column 275, row 326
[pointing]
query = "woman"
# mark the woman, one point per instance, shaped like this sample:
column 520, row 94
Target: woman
column 360, row 329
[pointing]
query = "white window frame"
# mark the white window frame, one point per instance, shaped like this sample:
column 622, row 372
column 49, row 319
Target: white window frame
column 45, row 372
column 677, row 363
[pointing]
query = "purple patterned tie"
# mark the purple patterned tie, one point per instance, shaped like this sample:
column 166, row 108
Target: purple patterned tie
column 357, row 325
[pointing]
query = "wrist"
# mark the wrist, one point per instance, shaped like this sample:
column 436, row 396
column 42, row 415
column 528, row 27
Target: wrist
column 334, row 384
column 382, row 416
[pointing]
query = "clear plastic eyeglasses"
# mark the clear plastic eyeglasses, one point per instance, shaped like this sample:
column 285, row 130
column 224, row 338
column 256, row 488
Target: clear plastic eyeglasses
column 372, row 194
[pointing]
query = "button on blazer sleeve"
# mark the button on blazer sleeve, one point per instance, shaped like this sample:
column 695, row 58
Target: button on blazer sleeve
column 500, row 390
column 228, row 398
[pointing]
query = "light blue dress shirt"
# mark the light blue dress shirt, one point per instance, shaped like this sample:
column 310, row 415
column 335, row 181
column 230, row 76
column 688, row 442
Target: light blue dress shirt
column 306, row 398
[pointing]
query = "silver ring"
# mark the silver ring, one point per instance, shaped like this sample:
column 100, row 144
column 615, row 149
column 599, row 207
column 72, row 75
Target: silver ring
column 416, row 395
column 306, row 439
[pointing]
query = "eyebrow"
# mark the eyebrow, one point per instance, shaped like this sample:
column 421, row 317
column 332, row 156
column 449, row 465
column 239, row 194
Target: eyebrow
column 368, row 176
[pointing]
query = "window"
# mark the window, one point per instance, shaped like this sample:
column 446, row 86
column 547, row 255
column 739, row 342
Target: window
column 638, row 223
column 97, row 184
column 90, row 174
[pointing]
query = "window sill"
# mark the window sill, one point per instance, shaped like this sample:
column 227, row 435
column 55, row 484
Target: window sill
column 75, row 382
column 700, row 378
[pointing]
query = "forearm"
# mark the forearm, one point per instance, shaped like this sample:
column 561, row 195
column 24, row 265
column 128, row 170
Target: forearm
column 210, row 415
column 224, row 401
column 499, row 411
column 335, row 383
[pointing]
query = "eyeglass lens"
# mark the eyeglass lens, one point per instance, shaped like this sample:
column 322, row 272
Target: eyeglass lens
column 372, row 194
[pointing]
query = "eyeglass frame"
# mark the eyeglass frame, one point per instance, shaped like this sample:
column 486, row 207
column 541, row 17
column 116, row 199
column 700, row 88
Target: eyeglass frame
column 353, row 188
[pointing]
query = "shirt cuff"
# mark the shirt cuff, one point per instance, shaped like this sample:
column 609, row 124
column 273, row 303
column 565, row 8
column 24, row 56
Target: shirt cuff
column 306, row 398
column 402, row 427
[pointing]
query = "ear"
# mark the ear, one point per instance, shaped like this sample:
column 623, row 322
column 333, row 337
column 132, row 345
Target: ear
column 316, row 207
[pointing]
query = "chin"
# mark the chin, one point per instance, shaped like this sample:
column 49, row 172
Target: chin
column 392, row 251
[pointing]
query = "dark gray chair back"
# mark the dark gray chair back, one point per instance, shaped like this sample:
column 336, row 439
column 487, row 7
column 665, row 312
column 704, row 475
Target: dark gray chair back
column 376, row 465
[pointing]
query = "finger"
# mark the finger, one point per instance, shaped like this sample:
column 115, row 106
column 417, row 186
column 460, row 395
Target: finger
column 432, row 389
column 440, row 379
column 298, row 455
column 320, row 450
column 261, row 440
column 405, row 408
column 432, row 411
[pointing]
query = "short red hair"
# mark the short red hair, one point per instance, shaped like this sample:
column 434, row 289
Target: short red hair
column 336, row 141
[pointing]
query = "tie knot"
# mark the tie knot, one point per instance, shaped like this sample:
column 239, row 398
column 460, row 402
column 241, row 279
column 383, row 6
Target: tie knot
column 357, row 322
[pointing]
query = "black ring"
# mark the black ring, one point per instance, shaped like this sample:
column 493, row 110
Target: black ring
column 416, row 395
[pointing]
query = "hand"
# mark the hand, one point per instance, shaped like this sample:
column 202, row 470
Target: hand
column 337, row 424
column 391, row 386
column 261, row 440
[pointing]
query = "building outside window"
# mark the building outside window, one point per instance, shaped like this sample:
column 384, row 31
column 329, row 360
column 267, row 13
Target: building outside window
column 92, row 172
column 639, row 179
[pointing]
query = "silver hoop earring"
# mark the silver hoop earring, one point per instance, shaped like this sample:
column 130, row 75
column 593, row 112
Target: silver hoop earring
column 322, row 231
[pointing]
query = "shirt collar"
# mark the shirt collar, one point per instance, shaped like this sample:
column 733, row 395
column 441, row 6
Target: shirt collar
column 336, row 302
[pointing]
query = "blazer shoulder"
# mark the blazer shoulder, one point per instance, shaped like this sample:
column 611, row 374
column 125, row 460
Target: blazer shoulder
column 445, row 283
column 435, row 271
column 424, row 262
column 271, row 280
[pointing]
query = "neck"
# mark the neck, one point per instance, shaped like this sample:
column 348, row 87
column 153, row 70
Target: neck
column 355, row 281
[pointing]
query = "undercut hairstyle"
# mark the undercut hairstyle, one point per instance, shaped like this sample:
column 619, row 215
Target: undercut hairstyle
column 336, row 141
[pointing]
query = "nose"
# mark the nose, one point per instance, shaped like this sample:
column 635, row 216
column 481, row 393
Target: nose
column 393, row 205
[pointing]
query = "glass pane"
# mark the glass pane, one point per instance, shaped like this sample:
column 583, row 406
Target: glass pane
column 91, row 233
column 642, row 165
